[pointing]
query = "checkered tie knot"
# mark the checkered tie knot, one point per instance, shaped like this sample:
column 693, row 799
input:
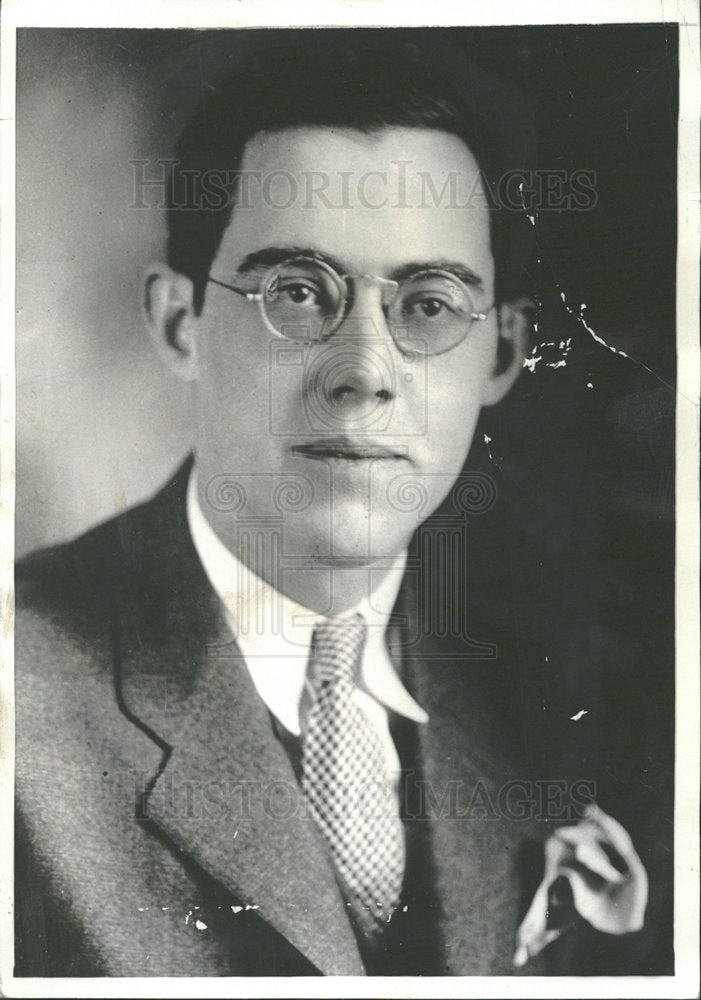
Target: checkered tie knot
column 346, row 783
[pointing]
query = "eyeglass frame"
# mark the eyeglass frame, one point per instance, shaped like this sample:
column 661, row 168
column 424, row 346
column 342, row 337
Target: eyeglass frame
column 342, row 285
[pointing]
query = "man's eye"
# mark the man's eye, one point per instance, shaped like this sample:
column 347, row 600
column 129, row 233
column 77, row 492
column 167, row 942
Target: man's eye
column 431, row 307
column 300, row 293
column 425, row 307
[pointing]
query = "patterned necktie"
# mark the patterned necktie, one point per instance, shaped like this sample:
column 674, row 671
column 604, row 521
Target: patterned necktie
column 345, row 780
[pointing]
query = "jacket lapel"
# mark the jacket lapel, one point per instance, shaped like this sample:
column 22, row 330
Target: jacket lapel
column 226, row 794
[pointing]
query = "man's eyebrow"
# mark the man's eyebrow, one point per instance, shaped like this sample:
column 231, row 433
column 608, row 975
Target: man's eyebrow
column 269, row 256
column 457, row 268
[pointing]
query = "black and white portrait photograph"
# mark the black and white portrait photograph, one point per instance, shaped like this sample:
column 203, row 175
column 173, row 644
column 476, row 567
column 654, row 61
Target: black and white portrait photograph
column 349, row 453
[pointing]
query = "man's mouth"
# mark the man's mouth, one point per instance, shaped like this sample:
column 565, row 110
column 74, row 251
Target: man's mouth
column 351, row 451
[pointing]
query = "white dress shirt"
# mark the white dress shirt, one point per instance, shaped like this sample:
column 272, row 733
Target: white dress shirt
column 274, row 635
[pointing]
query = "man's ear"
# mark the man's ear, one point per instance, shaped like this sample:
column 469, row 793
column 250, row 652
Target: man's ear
column 170, row 319
column 515, row 326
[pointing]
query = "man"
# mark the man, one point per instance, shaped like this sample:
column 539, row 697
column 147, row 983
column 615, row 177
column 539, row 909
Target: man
column 256, row 733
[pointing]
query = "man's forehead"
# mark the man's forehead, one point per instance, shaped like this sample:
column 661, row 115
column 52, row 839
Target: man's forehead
column 347, row 153
column 384, row 197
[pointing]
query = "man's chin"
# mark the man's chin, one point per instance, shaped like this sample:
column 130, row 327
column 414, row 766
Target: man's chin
column 353, row 535
column 347, row 552
column 342, row 561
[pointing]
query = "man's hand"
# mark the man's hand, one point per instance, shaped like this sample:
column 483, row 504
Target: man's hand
column 611, row 897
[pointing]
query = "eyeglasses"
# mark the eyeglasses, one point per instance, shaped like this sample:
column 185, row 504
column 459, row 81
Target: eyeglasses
column 305, row 300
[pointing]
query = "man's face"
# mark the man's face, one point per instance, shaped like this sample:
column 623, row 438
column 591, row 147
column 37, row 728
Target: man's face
column 347, row 444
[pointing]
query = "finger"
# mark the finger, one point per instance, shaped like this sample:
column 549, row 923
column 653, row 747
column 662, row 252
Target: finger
column 534, row 947
column 585, row 843
column 612, row 829
column 555, row 852
column 619, row 850
column 535, row 921
column 621, row 910
column 595, row 907
column 619, row 838
column 594, row 858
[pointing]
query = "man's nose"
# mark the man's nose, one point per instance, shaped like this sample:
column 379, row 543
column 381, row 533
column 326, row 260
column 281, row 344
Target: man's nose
column 361, row 361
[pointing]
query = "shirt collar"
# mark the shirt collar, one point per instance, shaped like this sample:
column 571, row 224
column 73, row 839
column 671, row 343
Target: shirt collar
column 274, row 633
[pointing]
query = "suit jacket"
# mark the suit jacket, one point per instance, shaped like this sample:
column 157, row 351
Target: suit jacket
column 161, row 829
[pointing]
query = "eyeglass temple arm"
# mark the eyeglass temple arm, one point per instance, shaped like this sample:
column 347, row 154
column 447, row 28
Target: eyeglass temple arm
column 251, row 296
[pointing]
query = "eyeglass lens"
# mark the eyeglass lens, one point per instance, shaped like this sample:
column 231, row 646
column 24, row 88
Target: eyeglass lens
column 429, row 313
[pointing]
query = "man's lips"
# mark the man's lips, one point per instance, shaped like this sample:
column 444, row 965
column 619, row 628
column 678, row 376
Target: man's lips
column 352, row 451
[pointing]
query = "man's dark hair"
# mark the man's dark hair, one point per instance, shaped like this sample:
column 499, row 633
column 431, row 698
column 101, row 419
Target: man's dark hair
column 360, row 82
